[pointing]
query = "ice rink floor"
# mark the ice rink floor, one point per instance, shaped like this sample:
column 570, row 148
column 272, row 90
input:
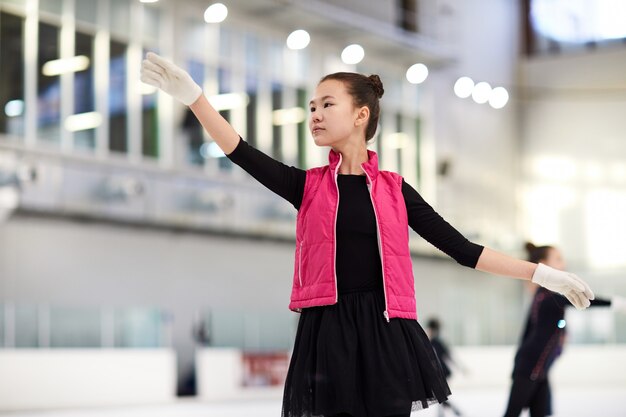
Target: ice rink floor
column 570, row 402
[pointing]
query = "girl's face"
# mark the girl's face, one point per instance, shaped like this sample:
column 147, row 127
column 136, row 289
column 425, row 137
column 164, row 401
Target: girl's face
column 333, row 117
column 555, row 259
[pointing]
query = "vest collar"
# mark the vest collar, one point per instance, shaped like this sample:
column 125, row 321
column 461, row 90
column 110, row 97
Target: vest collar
column 370, row 166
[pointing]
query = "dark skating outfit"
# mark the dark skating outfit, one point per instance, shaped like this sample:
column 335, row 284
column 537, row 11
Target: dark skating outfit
column 542, row 342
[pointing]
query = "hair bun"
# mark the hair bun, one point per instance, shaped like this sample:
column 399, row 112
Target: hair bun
column 529, row 246
column 377, row 84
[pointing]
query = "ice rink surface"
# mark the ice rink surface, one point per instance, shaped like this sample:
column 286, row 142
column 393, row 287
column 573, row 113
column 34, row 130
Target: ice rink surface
column 570, row 402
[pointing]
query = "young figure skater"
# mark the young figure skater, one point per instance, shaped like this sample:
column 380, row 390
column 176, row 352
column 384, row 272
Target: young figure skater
column 542, row 340
column 444, row 355
column 359, row 350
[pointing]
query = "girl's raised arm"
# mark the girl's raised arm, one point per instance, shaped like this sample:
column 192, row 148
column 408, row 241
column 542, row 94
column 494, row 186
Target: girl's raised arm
column 164, row 74
column 286, row 181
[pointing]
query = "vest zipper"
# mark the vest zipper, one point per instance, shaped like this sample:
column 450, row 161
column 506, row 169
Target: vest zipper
column 380, row 248
column 300, row 265
column 335, row 231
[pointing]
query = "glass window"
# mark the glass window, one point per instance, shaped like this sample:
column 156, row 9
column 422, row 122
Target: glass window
column 26, row 326
column 152, row 16
column 376, row 141
column 14, row 2
column 224, row 80
column 225, row 42
column 87, row 11
column 253, row 51
column 52, row 6
column 302, row 62
column 195, row 36
column 227, row 329
column 418, row 140
column 84, row 90
column 149, row 130
column 249, row 331
column 393, row 89
column 224, row 86
column 119, row 14
column 138, row 328
column 276, row 60
column 275, row 331
column 303, row 127
column 407, row 15
column 48, row 85
column 191, row 125
column 118, row 119
column 11, row 74
column 565, row 25
column 73, row 327
column 277, row 137
column 196, row 70
column 251, row 111
column 579, row 21
column 400, row 144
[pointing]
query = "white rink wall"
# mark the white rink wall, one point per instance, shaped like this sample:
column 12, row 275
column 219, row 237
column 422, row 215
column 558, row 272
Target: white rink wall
column 578, row 366
column 57, row 379
column 63, row 378
column 485, row 368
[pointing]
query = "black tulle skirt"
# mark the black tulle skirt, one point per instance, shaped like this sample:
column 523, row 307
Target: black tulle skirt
column 348, row 359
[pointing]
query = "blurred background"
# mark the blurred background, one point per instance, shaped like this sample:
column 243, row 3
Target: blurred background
column 139, row 267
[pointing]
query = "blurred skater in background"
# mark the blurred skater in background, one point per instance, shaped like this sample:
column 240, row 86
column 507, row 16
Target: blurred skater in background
column 433, row 327
column 543, row 339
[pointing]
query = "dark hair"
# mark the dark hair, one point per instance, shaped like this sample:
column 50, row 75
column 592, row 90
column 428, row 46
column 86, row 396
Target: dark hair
column 537, row 254
column 433, row 324
column 365, row 91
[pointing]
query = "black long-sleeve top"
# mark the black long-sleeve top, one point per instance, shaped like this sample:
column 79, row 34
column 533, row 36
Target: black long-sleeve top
column 544, row 334
column 358, row 259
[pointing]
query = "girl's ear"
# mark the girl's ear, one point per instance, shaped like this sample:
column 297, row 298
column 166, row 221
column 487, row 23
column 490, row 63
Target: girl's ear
column 362, row 116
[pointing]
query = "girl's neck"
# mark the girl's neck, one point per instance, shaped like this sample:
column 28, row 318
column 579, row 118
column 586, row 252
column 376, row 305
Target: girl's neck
column 352, row 156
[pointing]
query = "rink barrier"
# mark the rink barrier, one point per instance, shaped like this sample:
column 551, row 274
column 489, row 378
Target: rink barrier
column 578, row 366
column 33, row 379
column 220, row 371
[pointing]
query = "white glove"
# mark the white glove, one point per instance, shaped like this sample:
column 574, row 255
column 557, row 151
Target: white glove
column 571, row 286
column 618, row 304
column 162, row 73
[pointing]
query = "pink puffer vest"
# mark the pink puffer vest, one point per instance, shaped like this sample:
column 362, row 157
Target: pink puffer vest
column 315, row 280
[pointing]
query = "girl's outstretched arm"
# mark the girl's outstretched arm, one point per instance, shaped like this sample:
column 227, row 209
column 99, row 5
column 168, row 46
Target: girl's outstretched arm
column 566, row 283
column 215, row 125
column 286, row 181
column 432, row 227
column 164, row 74
column 500, row 264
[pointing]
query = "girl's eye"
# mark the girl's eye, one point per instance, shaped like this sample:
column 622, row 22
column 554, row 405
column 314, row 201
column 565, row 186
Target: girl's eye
column 312, row 109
